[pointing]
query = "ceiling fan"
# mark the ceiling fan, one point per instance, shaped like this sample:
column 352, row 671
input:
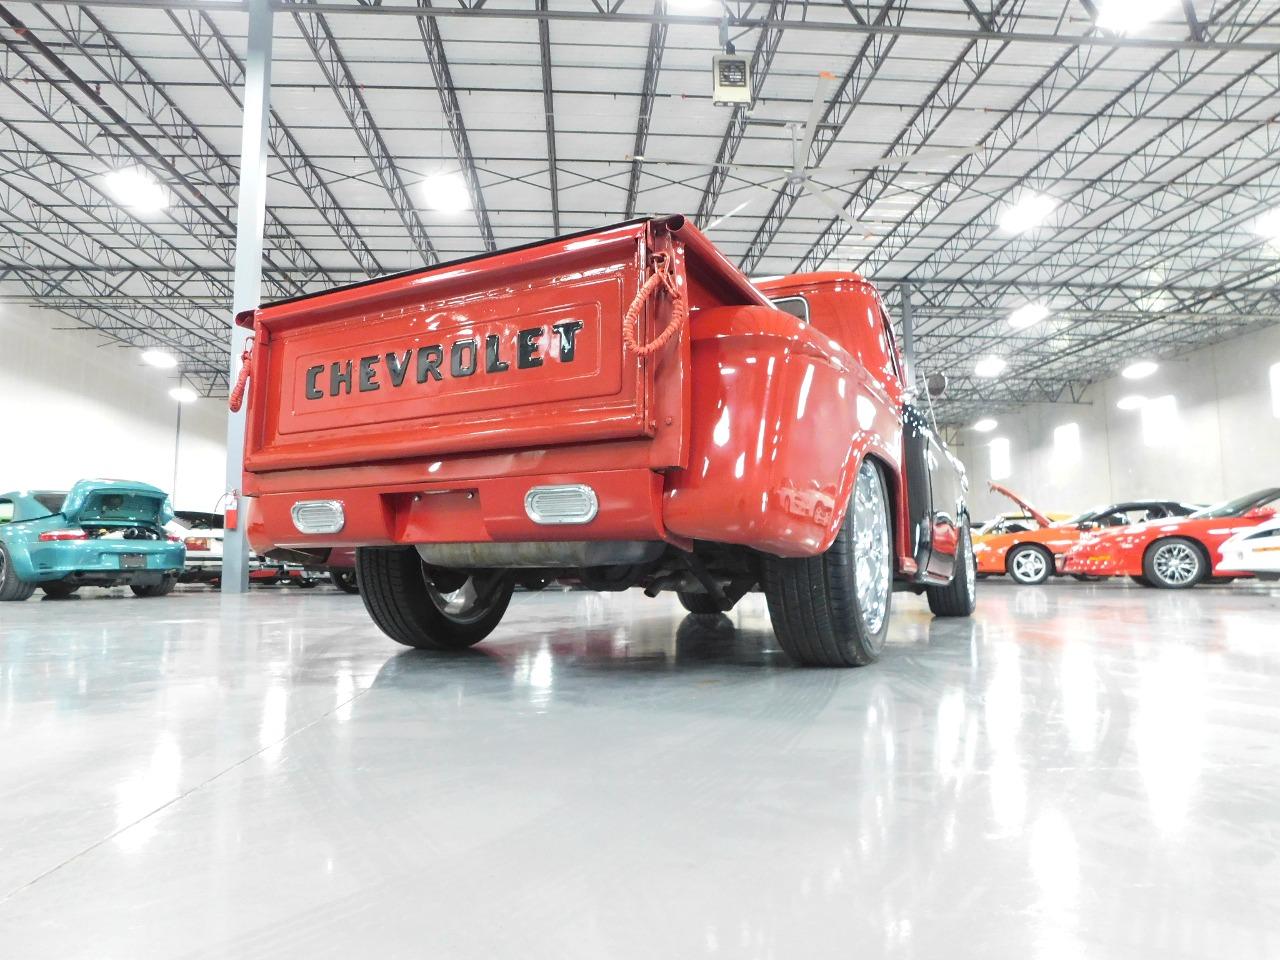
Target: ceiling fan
column 798, row 172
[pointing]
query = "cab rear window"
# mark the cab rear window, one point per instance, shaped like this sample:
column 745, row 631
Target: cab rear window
column 796, row 306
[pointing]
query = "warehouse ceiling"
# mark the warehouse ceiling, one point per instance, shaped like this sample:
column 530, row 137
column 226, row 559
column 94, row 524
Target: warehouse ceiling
column 917, row 126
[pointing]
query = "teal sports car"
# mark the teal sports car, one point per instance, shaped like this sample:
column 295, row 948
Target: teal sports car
column 101, row 533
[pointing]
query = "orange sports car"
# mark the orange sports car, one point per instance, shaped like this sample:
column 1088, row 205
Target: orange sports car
column 1028, row 555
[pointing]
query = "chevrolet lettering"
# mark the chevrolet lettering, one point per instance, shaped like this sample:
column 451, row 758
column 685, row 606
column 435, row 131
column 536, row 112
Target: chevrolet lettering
column 463, row 357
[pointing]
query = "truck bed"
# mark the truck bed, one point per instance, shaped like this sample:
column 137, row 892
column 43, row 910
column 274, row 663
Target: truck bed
column 510, row 351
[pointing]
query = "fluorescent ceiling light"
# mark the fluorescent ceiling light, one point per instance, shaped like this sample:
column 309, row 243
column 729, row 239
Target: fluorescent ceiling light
column 989, row 367
column 1268, row 225
column 1134, row 401
column 136, row 189
column 158, row 358
column 1125, row 16
column 985, row 425
column 1028, row 213
column 183, row 394
column 1140, row 370
column 1028, row 316
column 446, row 193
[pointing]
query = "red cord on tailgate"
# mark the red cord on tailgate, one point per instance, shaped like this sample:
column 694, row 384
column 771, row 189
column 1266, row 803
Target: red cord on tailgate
column 236, row 398
column 662, row 276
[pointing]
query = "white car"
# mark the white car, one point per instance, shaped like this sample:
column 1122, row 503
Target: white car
column 202, row 533
column 1255, row 550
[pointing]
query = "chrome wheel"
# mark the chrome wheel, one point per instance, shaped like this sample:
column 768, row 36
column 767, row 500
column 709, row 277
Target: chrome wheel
column 1177, row 564
column 1029, row 566
column 470, row 601
column 872, row 559
column 970, row 563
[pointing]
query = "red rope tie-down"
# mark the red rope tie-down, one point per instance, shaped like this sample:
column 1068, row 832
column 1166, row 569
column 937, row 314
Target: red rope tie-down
column 662, row 276
column 236, row 398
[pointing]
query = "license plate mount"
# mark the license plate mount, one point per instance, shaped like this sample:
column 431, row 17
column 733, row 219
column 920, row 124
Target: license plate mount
column 132, row 561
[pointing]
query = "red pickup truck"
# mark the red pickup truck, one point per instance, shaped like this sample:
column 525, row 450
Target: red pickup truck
column 618, row 408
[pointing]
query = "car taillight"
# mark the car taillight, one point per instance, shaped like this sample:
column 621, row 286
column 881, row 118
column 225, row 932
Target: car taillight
column 197, row 543
column 50, row 536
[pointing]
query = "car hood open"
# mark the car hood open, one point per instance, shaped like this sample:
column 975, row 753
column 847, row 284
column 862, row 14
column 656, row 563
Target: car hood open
column 1039, row 517
column 117, row 502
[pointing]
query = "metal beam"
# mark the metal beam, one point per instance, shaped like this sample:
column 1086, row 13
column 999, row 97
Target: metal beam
column 761, row 61
column 958, row 82
column 147, row 102
column 549, row 115
column 439, row 63
column 652, row 64
column 867, row 63
column 815, row 24
column 250, row 214
column 324, row 47
column 220, row 57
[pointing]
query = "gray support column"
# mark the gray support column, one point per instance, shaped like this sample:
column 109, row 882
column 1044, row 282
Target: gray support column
column 247, row 289
column 908, row 339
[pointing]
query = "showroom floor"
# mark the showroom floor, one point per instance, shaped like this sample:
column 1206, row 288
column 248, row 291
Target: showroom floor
column 1078, row 772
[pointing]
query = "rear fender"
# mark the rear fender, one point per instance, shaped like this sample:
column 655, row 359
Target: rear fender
column 782, row 416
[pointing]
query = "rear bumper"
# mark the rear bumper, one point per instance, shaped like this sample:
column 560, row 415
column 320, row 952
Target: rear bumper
column 102, row 561
column 488, row 510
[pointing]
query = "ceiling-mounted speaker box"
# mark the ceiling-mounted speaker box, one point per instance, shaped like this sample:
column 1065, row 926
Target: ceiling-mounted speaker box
column 731, row 79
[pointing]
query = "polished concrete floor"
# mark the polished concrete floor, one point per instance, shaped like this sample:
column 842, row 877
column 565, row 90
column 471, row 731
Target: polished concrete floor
column 1078, row 772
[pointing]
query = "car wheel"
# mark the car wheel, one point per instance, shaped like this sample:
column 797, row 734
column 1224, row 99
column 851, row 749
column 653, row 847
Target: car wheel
column 165, row 586
column 1029, row 565
column 430, row 609
column 1174, row 564
column 344, row 579
column 833, row 610
column 960, row 596
column 12, row 587
column 700, row 604
column 58, row 589
column 1140, row 580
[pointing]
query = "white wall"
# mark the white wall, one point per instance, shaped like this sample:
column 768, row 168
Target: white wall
column 1225, row 441
column 78, row 406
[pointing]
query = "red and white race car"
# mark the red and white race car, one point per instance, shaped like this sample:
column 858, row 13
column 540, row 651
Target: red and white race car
column 1177, row 553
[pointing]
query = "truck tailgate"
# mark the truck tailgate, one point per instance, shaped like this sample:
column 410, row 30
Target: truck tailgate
column 513, row 350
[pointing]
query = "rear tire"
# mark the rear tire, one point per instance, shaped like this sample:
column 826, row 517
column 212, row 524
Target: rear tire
column 344, row 579
column 833, row 610
column 699, row 604
column 960, row 596
column 58, row 590
column 165, row 586
column 1029, row 565
column 409, row 608
column 12, row 588
column 1175, row 563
